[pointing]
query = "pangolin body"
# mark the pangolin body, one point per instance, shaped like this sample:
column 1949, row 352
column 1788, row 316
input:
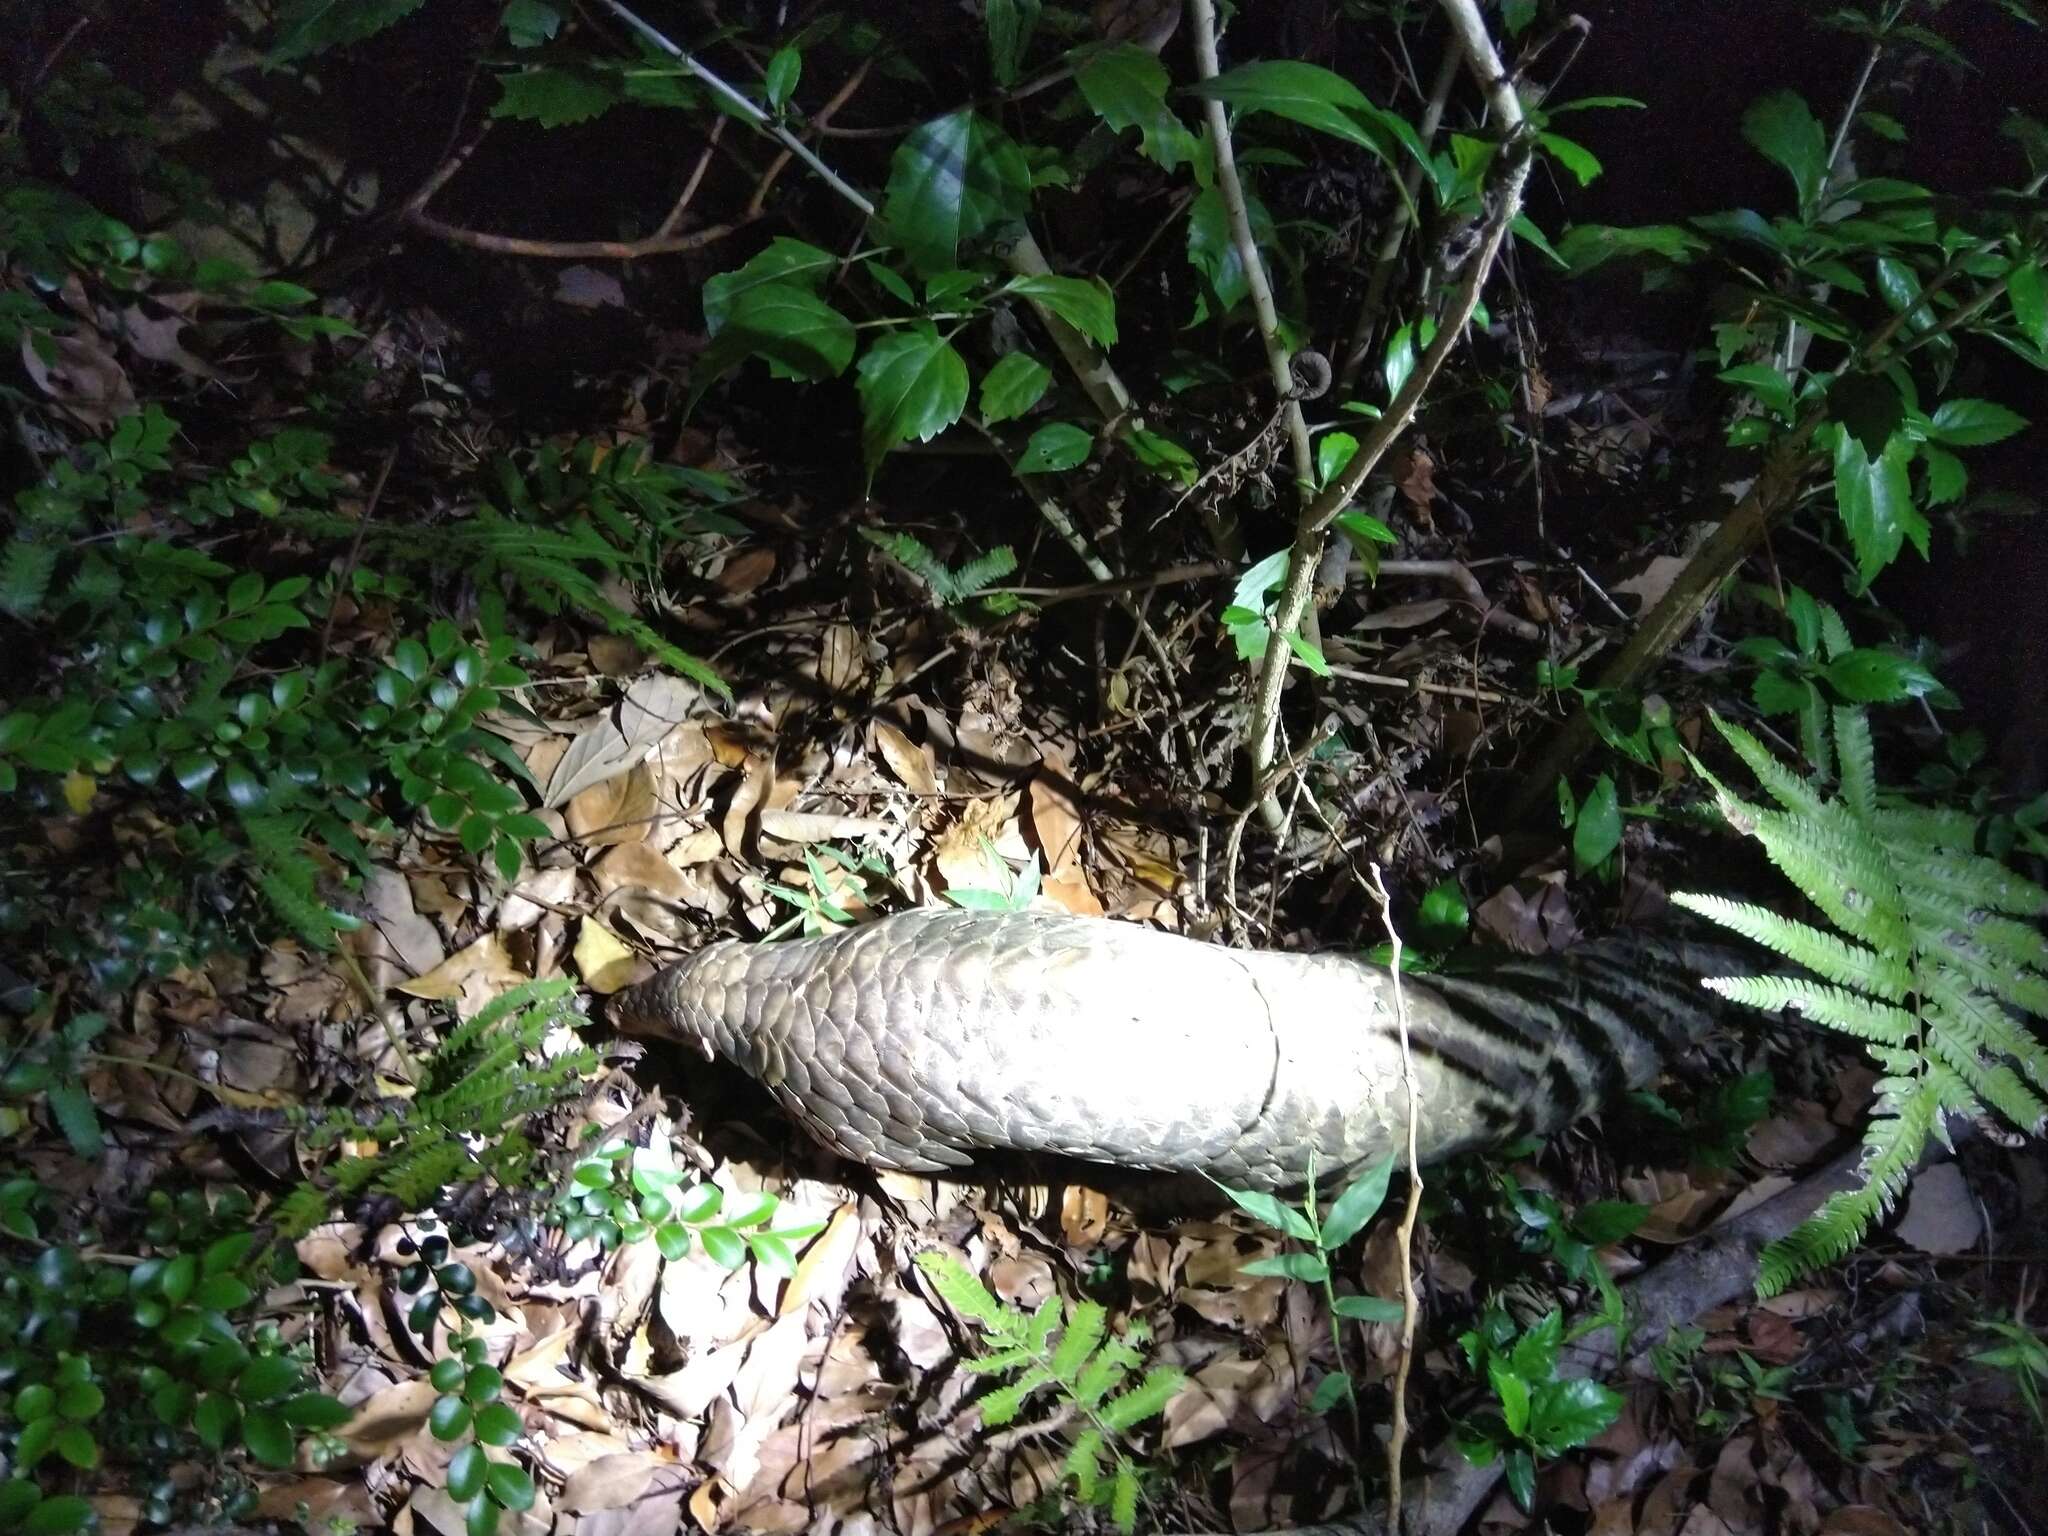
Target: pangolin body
column 914, row 1041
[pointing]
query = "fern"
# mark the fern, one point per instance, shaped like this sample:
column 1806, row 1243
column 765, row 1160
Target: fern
column 1935, row 974
column 25, row 573
column 950, row 587
column 1088, row 1368
column 288, row 880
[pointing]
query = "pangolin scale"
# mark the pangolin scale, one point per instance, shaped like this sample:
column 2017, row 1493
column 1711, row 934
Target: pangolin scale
column 917, row 1040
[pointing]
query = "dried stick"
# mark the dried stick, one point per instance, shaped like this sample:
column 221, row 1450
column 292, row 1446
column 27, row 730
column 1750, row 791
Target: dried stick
column 1470, row 30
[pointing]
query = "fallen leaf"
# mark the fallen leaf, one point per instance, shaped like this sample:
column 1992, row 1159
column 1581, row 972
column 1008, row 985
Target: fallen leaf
column 619, row 810
column 636, row 866
column 1056, row 817
column 1941, row 1214
column 602, row 958
column 746, row 571
column 486, row 962
column 842, row 660
column 906, row 759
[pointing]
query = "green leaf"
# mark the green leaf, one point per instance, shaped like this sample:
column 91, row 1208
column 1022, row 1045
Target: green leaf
column 1162, row 454
column 1534, row 1356
column 1359, row 1203
column 1875, row 499
column 1334, row 450
column 957, row 177
column 58, row 1516
column 1330, row 1391
column 554, row 98
column 1784, row 129
column 913, row 385
column 794, row 263
column 1312, row 1267
column 1947, row 478
column 1512, row 1393
column 1879, row 677
column 1316, row 98
column 779, row 80
column 1212, row 247
column 466, row 1471
column 1085, row 303
column 529, row 23
column 1573, row 156
column 449, row 1418
column 1608, row 1221
column 1586, row 246
column 1056, row 446
column 1597, row 833
column 1769, row 386
column 1973, row 423
column 71, row 1107
column 1565, row 1414
column 1369, row 1309
column 1125, row 86
column 1010, row 24
column 510, row 1486
column 268, row 1437
column 1016, row 383
column 307, row 27
column 1868, row 407
column 799, row 333
column 497, row 1424
column 1272, row 1211
column 2027, row 288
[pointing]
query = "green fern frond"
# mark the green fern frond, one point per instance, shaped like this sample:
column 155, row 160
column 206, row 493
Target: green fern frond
column 26, row 570
column 1085, row 1327
column 1836, row 1007
column 1084, row 1463
column 1846, row 964
column 1939, row 946
column 1785, row 786
column 970, row 578
column 1149, row 1397
column 300, row 1211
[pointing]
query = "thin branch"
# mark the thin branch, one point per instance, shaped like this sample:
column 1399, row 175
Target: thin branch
column 571, row 250
column 817, row 124
column 745, row 108
column 1398, row 222
column 1203, row 14
column 1470, row 30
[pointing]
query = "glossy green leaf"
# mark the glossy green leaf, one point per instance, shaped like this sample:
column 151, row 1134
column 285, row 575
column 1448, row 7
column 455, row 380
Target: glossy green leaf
column 1358, row 1204
column 1316, row 98
column 1784, row 129
column 1973, row 423
column 449, row 1418
column 796, row 331
column 1573, row 156
column 1056, row 446
column 466, row 1471
column 1273, row 1211
column 793, row 263
column 1126, row 86
column 2027, row 289
column 551, row 97
column 307, row 27
column 957, row 177
column 268, row 1437
column 779, row 80
column 1875, row 499
column 1312, row 1267
column 1597, row 832
column 1369, row 1309
column 912, row 386
column 1016, row 383
column 1867, row 676
column 510, row 1486
column 1085, row 303
column 498, row 1424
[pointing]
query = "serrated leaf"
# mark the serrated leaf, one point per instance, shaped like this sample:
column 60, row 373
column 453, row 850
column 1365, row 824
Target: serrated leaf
column 553, row 98
column 1784, row 129
column 1085, row 303
column 1125, row 86
column 1054, row 447
column 1316, row 98
column 793, row 263
column 307, row 27
column 912, row 386
column 1973, row 423
column 1875, row 500
column 1016, row 383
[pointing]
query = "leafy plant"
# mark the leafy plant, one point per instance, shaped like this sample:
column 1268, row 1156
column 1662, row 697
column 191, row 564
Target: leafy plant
column 2023, row 1355
column 1926, row 965
column 1535, row 1416
column 961, row 587
column 1088, row 1368
column 621, row 1194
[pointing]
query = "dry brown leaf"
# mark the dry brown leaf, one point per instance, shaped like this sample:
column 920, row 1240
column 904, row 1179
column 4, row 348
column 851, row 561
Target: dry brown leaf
column 619, row 810
column 1070, row 892
column 387, row 1420
column 842, row 659
column 906, row 759
column 746, row 571
column 818, row 826
column 534, row 897
column 1056, row 819
column 1084, row 1216
column 610, row 1482
column 823, row 1270
column 1418, row 480
column 636, row 866
column 487, row 965
column 697, row 847
column 602, row 958
column 756, row 785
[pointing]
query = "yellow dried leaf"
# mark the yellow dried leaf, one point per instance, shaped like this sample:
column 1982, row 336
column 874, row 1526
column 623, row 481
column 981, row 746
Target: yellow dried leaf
column 907, row 760
column 79, row 790
column 602, row 958
column 487, row 961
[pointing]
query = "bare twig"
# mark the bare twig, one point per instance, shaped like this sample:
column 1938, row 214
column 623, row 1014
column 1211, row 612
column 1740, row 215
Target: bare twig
column 571, row 250
column 1397, row 1439
column 1470, row 29
column 744, row 107
column 355, row 548
column 818, row 121
column 1278, row 359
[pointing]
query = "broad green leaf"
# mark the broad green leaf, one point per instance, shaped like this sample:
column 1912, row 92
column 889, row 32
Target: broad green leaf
column 1359, row 1203
column 1016, row 383
column 2027, row 289
column 1770, row 386
column 1272, row 1211
column 779, row 80
column 307, row 27
column 268, row 1437
column 1334, row 450
column 71, row 1107
column 913, row 386
column 1307, row 654
column 1608, row 1221
column 1565, row 1414
column 466, row 1472
column 1010, row 24
column 1162, row 454
column 554, row 98
column 1573, row 156
column 1316, row 98
column 1213, row 250
column 1126, row 87
column 1784, row 129
column 1369, row 1309
column 795, row 263
column 1056, row 446
column 1085, row 303
column 1329, row 1392
column 1512, row 1392
column 1597, row 832
column 1973, row 423
column 1947, row 478
column 1312, row 1267
column 1534, row 1355
column 1525, row 228
column 799, row 333
column 1586, row 246
column 957, row 177
column 1875, row 499
column 1868, row 676
column 529, row 23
